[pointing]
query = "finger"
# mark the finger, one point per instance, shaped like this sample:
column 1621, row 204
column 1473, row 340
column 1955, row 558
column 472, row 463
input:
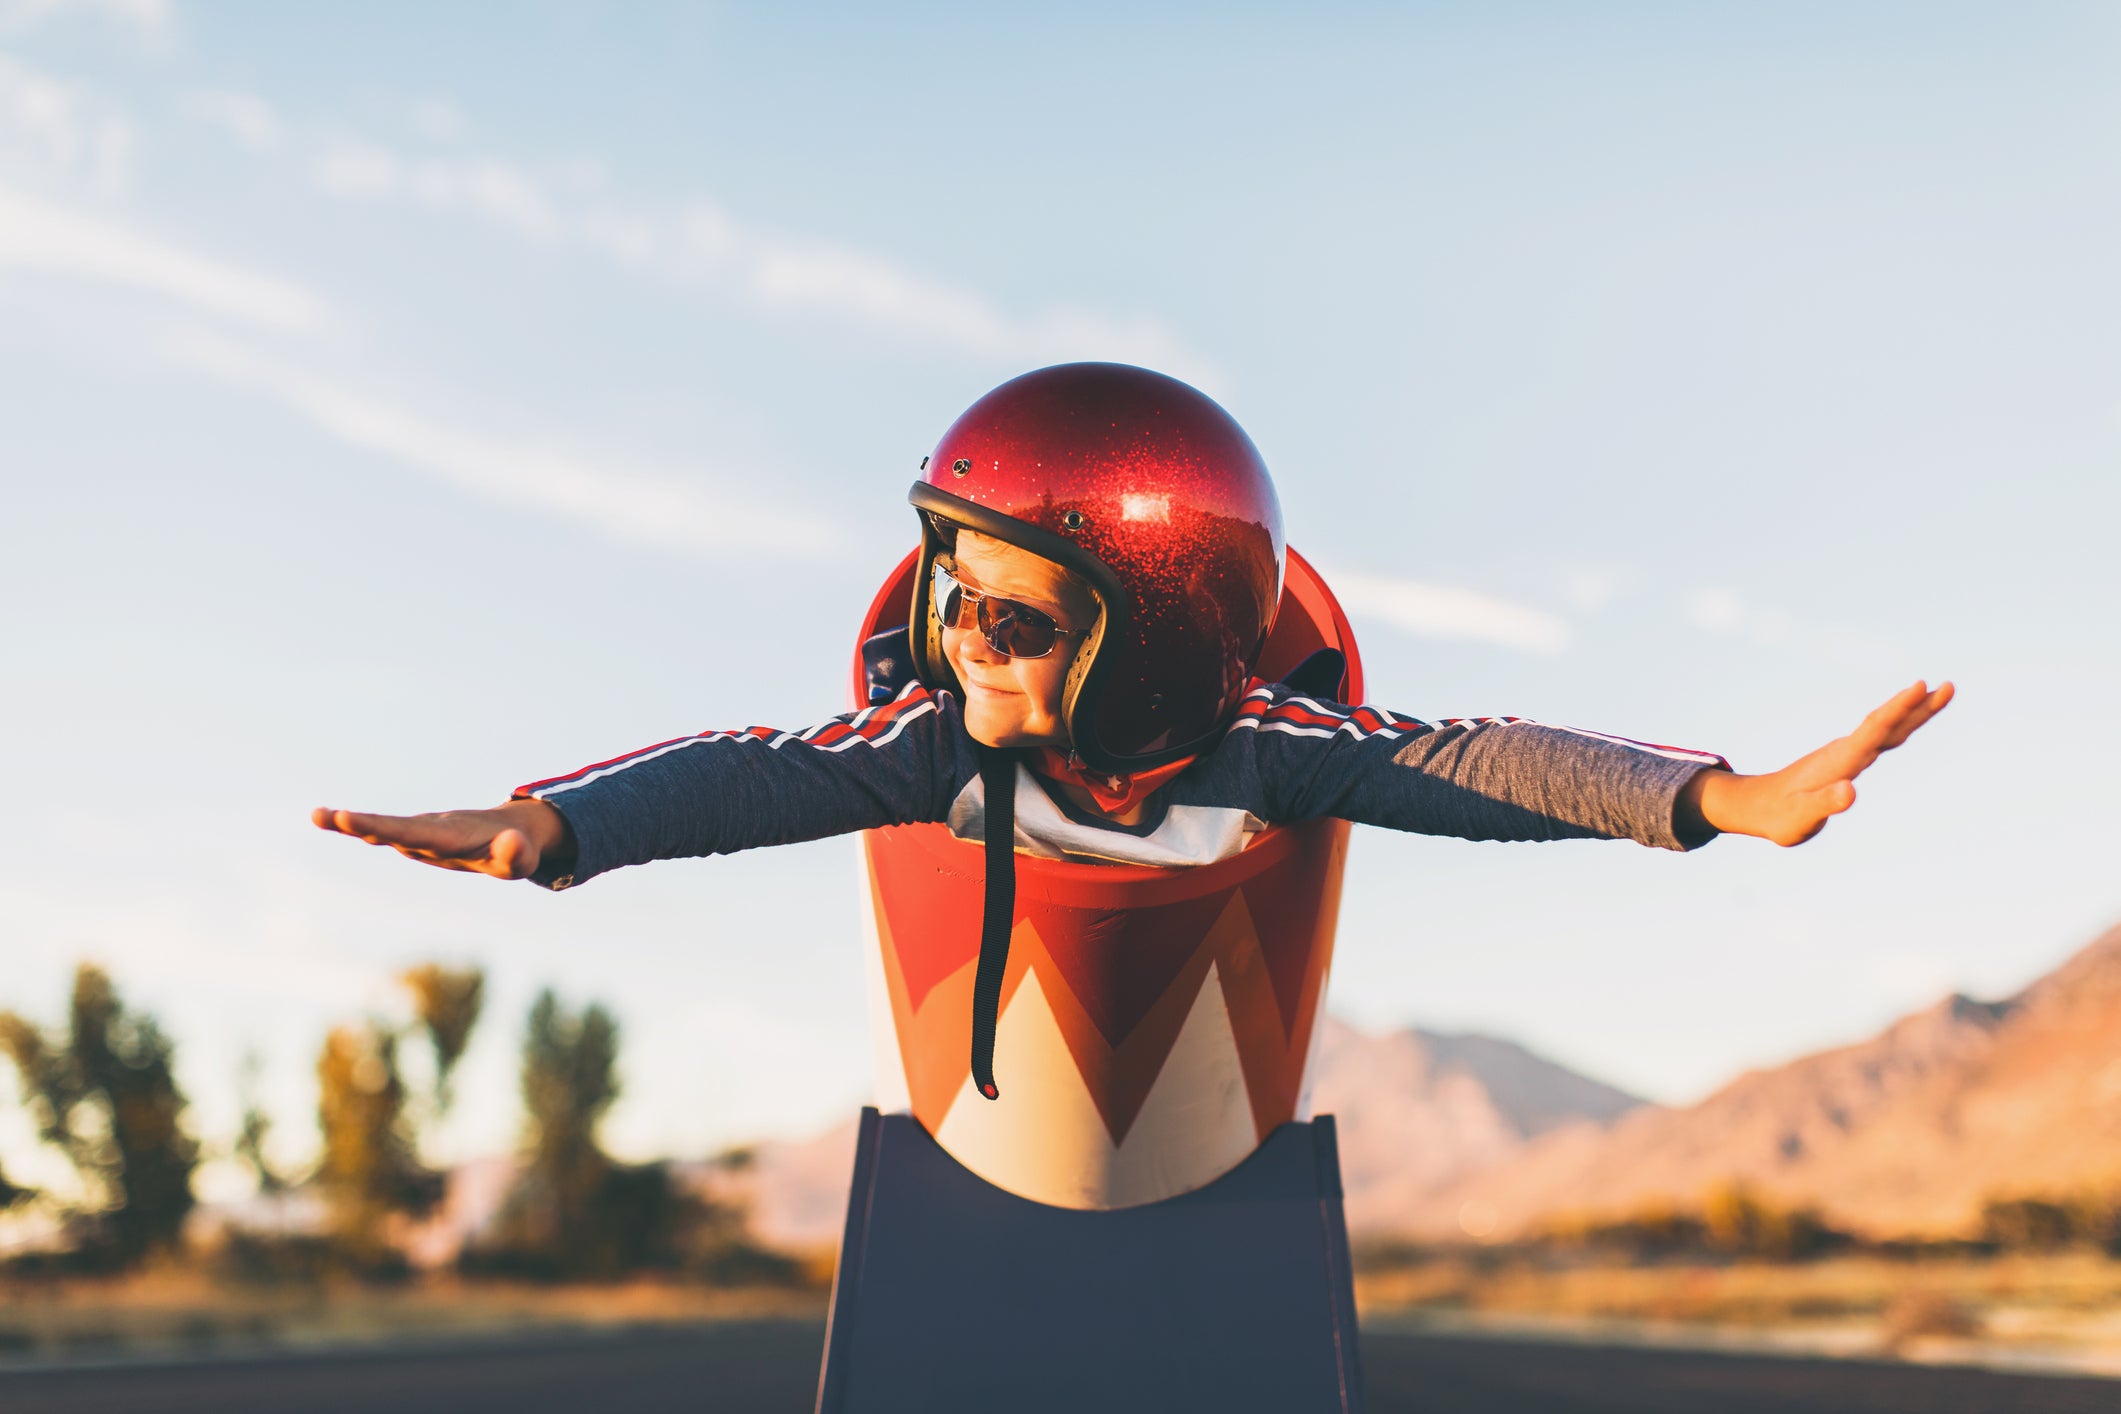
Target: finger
column 337, row 821
column 428, row 834
column 376, row 829
column 1921, row 712
column 1844, row 758
column 1890, row 723
column 1888, row 726
column 404, row 830
column 1887, row 715
column 1926, row 709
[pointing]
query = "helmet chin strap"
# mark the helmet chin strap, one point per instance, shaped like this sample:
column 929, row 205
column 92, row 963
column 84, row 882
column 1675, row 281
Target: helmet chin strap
column 997, row 776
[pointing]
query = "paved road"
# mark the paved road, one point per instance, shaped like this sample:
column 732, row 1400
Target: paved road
column 770, row 1368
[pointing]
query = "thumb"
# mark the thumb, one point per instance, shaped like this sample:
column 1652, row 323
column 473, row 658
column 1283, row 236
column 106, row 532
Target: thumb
column 1807, row 812
column 512, row 855
column 1834, row 797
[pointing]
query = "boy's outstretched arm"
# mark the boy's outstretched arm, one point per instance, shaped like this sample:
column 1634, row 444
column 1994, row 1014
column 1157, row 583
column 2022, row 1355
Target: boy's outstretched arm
column 508, row 841
column 1793, row 804
column 711, row 793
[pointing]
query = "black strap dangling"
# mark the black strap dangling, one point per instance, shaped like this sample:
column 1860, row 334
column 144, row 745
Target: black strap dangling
column 997, row 777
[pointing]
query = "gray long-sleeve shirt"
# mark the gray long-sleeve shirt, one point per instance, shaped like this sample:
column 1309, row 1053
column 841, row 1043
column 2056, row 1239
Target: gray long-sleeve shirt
column 1284, row 757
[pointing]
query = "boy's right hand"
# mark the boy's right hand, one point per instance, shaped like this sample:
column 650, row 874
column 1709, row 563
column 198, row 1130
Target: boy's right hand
column 507, row 841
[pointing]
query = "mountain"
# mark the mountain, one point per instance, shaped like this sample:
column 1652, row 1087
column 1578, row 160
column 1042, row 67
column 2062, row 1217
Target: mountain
column 794, row 1191
column 1907, row 1132
column 1415, row 1109
column 1418, row 1109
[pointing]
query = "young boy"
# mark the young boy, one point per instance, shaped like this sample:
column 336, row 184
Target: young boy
column 1101, row 562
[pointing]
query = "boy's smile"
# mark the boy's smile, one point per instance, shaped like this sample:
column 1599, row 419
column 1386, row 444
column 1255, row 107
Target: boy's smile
column 1015, row 701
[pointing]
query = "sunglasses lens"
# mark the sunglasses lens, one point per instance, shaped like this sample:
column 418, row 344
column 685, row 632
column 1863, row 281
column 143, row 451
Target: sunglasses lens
column 949, row 597
column 1016, row 629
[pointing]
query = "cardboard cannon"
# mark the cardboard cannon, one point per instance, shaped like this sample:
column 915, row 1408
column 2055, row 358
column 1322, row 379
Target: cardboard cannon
column 1149, row 1218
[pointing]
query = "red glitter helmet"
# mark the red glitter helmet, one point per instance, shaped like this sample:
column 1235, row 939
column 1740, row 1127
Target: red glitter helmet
column 1153, row 496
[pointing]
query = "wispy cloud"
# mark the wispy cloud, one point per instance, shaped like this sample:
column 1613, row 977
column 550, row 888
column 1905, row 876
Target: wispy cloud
column 1447, row 611
column 840, row 280
column 436, row 119
column 352, row 168
column 248, row 119
column 696, row 242
column 1590, row 590
column 52, row 239
column 1727, row 613
column 648, row 507
column 55, row 126
column 1724, row 611
column 145, row 19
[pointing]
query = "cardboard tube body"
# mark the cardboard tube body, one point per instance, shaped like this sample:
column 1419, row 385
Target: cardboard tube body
column 1156, row 1024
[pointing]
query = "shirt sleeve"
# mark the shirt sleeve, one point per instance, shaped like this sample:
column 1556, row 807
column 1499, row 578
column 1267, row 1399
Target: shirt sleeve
column 892, row 764
column 1478, row 778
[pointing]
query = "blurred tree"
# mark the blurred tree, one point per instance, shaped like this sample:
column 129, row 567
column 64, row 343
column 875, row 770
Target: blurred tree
column 2053, row 1221
column 106, row 1097
column 1739, row 1221
column 255, row 1127
column 574, row 1212
column 447, row 1000
column 1652, row 1230
column 570, row 1079
column 1734, row 1221
column 369, row 1170
column 10, row 1194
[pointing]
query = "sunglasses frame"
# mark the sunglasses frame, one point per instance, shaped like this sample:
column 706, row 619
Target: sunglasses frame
column 993, row 621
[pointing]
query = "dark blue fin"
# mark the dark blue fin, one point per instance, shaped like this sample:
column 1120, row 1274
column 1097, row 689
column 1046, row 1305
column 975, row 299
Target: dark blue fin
column 887, row 664
column 1322, row 675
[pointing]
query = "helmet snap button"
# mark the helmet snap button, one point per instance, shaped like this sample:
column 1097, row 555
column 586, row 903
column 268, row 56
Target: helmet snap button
column 961, row 467
column 1074, row 520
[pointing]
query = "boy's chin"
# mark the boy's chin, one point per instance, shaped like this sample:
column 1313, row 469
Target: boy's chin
column 1010, row 736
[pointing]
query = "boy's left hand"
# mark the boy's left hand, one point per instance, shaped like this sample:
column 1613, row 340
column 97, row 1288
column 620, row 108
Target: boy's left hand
column 1791, row 805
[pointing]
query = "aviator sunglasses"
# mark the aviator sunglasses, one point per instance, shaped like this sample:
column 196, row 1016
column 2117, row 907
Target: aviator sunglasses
column 1013, row 629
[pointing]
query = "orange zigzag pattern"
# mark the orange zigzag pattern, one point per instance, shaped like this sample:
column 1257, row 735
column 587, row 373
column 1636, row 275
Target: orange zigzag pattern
column 935, row 1039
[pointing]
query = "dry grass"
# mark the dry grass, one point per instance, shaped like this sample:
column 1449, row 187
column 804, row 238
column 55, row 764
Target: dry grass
column 178, row 1309
column 2067, row 1306
column 2064, row 1302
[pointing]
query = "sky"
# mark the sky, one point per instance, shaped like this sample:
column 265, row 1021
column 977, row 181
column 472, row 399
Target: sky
column 399, row 403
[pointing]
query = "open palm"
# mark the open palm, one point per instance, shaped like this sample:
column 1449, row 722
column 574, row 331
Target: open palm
column 1793, row 804
column 506, row 842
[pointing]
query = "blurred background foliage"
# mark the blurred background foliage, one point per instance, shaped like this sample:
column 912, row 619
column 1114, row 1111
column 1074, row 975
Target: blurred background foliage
column 376, row 1208
column 101, row 1092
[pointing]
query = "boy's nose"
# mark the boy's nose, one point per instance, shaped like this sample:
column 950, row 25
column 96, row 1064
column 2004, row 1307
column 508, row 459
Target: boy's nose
column 975, row 648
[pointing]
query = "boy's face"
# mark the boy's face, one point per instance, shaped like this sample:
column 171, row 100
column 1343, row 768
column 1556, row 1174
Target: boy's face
column 1015, row 701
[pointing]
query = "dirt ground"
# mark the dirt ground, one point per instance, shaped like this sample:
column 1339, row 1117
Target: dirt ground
column 2061, row 1311
column 178, row 1310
